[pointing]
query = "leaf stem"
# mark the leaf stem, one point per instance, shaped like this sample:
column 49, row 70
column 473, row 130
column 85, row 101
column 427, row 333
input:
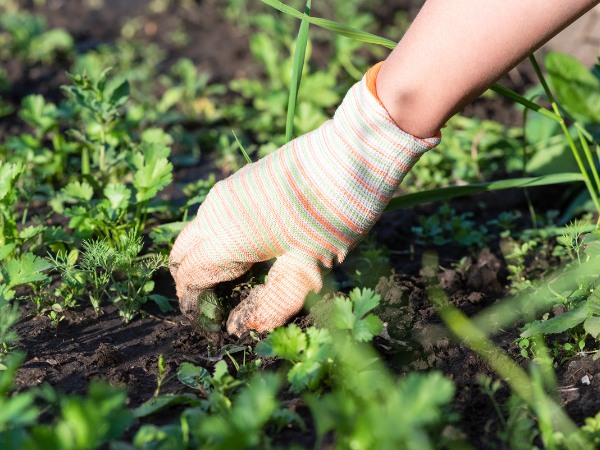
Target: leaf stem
column 299, row 55
column 565, row 130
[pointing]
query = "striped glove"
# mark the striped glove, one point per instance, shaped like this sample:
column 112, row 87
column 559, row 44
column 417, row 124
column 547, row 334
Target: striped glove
column 307, row 204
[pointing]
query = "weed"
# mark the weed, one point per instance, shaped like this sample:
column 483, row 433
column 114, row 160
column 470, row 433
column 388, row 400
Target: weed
column 161, row 376
column 127, row 295
column 26, row 38
column 447, row 227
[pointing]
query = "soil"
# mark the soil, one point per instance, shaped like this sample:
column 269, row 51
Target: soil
column 85, row 346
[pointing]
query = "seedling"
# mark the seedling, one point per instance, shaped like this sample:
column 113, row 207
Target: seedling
column 310, row 353
column 130, row 294
column 571, row 240
column 161, row 376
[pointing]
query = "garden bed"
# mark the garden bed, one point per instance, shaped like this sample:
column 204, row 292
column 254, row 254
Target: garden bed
column 88, row 346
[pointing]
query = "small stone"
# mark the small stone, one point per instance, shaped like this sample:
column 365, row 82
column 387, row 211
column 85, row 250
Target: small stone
column 585, row 380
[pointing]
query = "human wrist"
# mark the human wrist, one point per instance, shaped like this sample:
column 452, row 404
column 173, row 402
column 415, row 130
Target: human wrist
column 409, row 105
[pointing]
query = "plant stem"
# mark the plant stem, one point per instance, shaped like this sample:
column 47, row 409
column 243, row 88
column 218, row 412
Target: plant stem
column 2, row 238
column 85, row 161
column 102, row 147
column 529, row 203
column 490, row 394
column 143, row 224
column 565, row 130
column 299, row 55
column 590, row 158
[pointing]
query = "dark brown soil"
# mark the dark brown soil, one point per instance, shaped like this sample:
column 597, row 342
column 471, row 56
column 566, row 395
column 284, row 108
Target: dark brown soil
column 85, row 346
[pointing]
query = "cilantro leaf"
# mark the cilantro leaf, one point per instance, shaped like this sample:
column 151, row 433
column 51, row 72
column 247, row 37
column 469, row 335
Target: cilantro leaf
column 9, row 174
column 348, row 314
column 81, row 192
column 285, row 342
column 118, row 195
column 153, row 170
column 27, row 269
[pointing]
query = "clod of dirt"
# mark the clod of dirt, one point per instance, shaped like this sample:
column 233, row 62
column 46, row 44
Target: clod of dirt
column 321, row 313
column 560, row 309
column 449, row 280
column 395, row 308
column 483, row 276
column 106, row 356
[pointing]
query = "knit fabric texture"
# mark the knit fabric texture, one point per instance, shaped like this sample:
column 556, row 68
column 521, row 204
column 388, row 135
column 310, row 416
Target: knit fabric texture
column 307, row 204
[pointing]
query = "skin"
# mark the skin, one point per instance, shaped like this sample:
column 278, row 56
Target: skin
column 455, row 50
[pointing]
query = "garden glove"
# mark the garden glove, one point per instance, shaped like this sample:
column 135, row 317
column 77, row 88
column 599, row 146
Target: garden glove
column 307, row 204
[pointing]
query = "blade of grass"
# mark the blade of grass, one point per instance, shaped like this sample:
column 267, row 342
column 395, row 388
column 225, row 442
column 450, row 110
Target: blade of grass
column 524, row 174
column 502, row 364
column 523, row 101
column 299, row 55
column 242, row 148
column 405, row 201
column 363, row 36
column 565, row 130
column 588, row 155
column 342, row 30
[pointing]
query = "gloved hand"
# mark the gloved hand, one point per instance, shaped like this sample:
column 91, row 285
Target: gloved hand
column 307, row 204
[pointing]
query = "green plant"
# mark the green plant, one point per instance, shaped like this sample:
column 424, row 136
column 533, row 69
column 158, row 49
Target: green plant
column 25, row 37
column 9, row 316
column 448, row 227
column 161, row 376
column 570, row 239
column 99, row 109
column 27, row 269
column 367, row 263
column 554, row 425
column 351, row 314
column 310, row 353
column 74, row 280
column 370, row 420
column 515, row 254
column 127, row 295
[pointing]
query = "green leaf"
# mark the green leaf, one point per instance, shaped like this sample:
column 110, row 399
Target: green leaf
column 101, row 83
column 343, row 317
column 6, row 250
column 157, row 136
column 434, row 195
column 348, row 314
column 342, row 30
column 163, row 401
column 365, row 329
column 120, row 95
column 208, row 303
column 162, row 302
column 592, row 243
column 118, row 195
column 560, row 323
column 299, row 55
column 285, row 342
column 78, row 191
column 575, row 87
column 593, row 303
column 59, row 235
column 193, row 376
column 364, row 301
column 9, row 174
column 154, row 171
column 31, row 232
column 170, row 98
column 27, row 269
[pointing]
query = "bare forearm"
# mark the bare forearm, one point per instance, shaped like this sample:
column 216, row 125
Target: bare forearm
column 456, row 49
